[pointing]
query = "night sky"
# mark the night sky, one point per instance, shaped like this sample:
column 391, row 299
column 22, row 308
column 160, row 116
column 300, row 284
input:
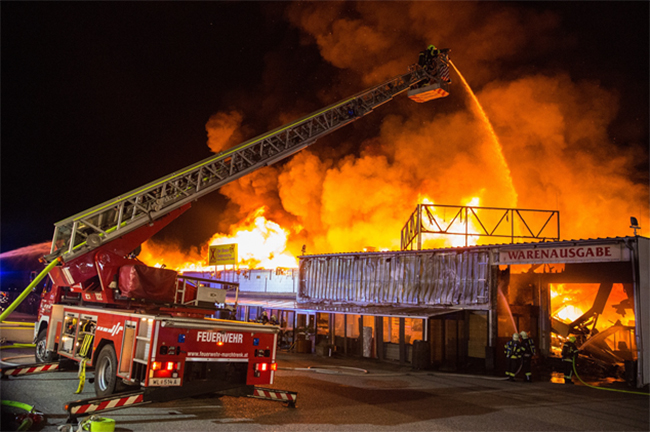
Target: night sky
column 101, row 98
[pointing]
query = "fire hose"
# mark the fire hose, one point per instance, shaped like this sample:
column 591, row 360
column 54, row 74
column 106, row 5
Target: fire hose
column 29, row 288
column 575, row 371
column 26, row 420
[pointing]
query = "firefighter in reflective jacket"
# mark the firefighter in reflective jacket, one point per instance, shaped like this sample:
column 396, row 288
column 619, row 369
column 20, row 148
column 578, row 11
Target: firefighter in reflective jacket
column 569, row 354
column 513, row 351
column 528, row 351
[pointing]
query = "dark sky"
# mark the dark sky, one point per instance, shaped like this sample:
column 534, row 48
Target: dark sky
column 99, row 98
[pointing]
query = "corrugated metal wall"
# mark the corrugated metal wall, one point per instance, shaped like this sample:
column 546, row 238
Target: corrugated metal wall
column 389, row 278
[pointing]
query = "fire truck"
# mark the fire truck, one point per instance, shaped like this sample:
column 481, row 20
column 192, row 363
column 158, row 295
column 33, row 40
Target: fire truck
column 151, row 334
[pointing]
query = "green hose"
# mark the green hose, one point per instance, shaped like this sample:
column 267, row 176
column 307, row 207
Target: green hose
column 27, row 421
column 604, row 388
column 18, row 345
column 19, row 323
column 27, row 290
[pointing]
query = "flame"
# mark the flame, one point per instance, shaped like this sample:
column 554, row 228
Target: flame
column 569, row 313
column 570, row 301
column 261, row 243
column 445, row 217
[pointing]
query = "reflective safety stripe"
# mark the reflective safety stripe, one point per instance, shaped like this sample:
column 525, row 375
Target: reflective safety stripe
column 117, row 402
column 49, row 367
column 275, row 395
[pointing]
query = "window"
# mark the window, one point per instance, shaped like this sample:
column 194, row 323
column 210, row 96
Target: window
column 353, row 326
column 339, row 327
column 391, row 329
column 412, row 330
column 322, row 323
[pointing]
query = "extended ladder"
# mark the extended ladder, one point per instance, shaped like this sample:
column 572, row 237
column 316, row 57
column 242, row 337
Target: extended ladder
column 89, row 229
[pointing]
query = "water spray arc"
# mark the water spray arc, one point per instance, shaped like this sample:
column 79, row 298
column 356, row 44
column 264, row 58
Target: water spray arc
column 493, row 136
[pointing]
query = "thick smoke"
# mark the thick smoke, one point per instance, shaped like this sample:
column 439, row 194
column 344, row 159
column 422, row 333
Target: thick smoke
column 225, row 130
column 553, row 130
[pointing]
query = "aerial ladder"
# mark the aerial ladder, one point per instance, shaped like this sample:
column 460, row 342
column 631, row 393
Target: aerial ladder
column 95, row 272
column 77, row 235
column 89, row 247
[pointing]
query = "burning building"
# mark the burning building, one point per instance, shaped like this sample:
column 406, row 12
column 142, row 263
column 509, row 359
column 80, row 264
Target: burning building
column 456, row 307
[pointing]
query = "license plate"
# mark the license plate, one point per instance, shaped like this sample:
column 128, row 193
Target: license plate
column 164, row 381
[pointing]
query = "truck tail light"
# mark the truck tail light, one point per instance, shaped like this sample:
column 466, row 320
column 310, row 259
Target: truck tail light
column 165, row 369
column 263, row 367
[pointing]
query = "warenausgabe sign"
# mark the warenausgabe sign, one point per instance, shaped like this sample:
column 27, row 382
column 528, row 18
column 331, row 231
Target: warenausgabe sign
column 565, row 254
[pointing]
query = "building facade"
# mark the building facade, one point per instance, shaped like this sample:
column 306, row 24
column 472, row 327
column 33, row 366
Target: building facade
column 455, row 308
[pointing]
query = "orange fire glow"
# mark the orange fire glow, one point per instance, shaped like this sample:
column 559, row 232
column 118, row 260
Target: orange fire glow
column 531, row 140
column 261, row 244
column 570, row 301
column 445, row 216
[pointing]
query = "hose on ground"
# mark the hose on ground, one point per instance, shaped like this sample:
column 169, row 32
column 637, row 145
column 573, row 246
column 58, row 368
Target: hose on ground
column 575, row 371
column 26, row 421
column 17, row 345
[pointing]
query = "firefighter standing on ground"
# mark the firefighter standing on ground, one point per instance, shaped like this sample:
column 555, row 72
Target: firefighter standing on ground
column 569, row 354
column 528, row 351
column 513, row 350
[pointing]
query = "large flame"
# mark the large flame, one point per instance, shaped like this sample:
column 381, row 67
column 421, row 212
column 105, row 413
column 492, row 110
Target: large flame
column 445, row 218
column 261, row 244
column 570, row 301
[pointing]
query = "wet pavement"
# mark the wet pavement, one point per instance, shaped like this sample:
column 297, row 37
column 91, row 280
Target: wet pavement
column 359, row 394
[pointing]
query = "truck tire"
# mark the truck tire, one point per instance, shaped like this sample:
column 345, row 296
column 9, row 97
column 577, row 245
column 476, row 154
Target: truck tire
column 41, row 355
column 105, row 372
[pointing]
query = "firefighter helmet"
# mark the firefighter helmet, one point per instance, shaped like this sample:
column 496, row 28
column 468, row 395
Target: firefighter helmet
column 524, row 335
column 572, row 338
column 515, row 336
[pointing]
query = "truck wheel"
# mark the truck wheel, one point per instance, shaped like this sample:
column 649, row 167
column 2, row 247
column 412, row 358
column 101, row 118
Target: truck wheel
column 41, row 353
column 105, row 372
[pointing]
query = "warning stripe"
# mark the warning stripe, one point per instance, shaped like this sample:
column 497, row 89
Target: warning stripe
column 31, row 369
column 275, row 395
column 113, row 403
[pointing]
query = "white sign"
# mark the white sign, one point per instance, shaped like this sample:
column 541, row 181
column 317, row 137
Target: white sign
column 164, row 381
column 205, row 336
column 565, row 254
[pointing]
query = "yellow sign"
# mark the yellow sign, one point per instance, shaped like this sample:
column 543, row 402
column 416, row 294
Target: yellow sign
column 223, row 254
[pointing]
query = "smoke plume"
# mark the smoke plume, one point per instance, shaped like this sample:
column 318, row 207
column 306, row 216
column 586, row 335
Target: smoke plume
column 359, row 191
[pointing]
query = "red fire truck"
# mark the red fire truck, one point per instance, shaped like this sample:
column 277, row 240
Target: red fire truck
column 151, row 332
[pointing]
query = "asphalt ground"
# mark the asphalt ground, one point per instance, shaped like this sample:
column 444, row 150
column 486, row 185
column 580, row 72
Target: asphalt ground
column 351, row 394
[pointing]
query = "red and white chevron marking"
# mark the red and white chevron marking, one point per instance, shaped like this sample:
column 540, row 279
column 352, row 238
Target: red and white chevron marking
column 107, row 404
column 31, row 369
column 276, row 395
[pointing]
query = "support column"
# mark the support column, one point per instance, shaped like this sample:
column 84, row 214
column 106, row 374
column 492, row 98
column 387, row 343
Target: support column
column 379, row 335
column 402, row 343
